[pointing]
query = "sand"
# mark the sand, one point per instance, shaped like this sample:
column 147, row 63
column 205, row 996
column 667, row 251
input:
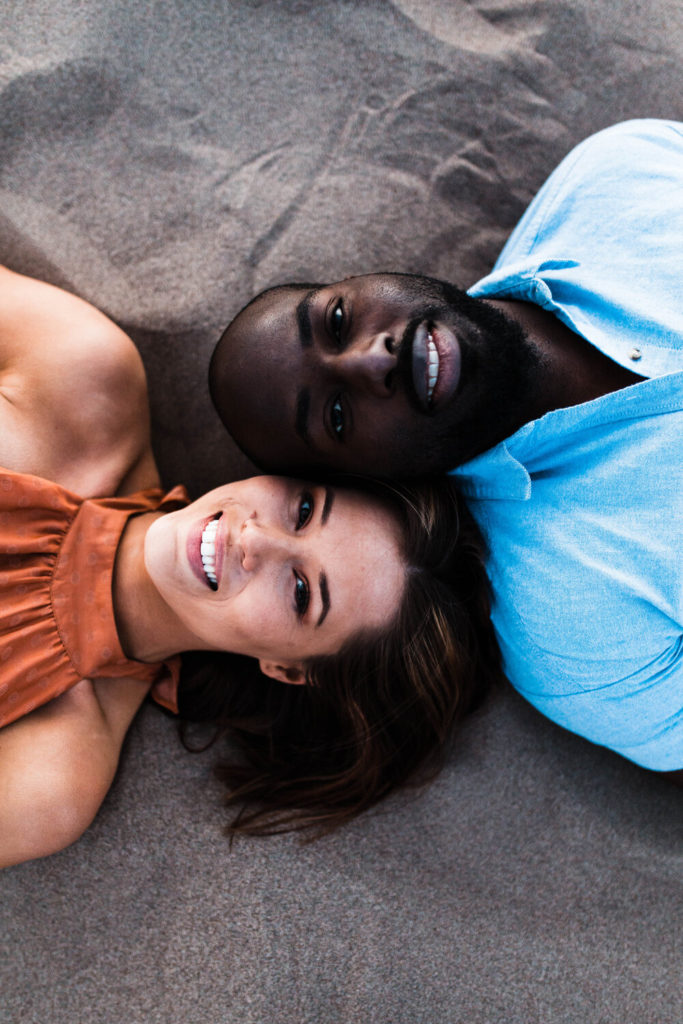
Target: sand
column 165, row 161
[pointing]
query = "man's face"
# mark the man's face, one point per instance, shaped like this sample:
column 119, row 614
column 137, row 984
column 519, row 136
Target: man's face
column 383, row 374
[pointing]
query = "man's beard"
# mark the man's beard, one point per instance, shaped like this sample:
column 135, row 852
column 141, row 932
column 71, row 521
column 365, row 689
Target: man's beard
column 499, row 374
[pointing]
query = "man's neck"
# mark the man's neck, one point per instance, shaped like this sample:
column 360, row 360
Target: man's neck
column 573, row 370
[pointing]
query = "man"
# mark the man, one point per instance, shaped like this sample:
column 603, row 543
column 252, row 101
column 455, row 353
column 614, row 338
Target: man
column 554, row 391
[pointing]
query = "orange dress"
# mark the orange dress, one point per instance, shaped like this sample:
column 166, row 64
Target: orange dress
column 56, row 608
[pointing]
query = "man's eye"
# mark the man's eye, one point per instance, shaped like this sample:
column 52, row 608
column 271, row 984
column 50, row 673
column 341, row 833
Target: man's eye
column 305, row 510
column 301, row 594
column 337, row 321
column 337, row 418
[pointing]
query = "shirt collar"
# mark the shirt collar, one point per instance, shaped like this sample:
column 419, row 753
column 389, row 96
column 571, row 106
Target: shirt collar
column 498, row 473
column 495, row 473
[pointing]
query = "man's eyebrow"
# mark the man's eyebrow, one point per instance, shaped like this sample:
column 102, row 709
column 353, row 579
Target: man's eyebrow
column 303, row 319
column 303, row 403
column 324, row 597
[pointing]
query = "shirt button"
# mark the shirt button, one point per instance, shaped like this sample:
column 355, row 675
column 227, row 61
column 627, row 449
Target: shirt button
column 635, row 354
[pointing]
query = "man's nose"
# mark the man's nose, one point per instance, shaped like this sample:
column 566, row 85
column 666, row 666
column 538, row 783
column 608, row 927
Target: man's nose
column 260, row 542
column 368, row 364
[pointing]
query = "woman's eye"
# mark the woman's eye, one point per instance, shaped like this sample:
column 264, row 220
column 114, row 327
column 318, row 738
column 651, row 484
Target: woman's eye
column 305, row 510
column 337, row 321
column 301, row 594
column 337, row 418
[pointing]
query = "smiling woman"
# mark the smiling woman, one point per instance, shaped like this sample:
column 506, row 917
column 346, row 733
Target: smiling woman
column 371, row 598
column 379, row 709
column 270, row 567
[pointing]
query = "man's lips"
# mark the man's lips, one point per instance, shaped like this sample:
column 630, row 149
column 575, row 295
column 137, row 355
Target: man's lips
column 436, row 360
column 206, row 545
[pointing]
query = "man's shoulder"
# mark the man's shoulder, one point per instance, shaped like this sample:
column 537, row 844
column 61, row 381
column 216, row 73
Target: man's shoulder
column 601, row 186
column 643, row 131
column 621, row 151
column 619, row 157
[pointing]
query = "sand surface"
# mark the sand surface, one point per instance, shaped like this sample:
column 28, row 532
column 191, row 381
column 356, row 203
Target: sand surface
column 165, row 160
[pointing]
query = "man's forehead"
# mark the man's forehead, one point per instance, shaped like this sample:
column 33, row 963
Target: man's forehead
column 281, row 296
column 291, row 297
column 270, row 312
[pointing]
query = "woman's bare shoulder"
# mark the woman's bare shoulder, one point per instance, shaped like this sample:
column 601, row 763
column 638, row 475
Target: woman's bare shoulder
column 57, row 764
column 73, row 392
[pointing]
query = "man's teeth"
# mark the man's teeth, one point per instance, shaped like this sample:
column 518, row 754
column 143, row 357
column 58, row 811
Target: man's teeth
column 432, row 367
column 207, row 550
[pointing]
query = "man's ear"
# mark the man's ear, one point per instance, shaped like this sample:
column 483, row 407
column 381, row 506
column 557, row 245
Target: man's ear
column 293, row 674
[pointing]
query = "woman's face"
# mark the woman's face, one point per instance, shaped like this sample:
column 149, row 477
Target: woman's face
column 277, row 569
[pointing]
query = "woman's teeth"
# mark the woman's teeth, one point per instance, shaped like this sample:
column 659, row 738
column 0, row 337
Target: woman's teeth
column 207, row 550
column 432, row 367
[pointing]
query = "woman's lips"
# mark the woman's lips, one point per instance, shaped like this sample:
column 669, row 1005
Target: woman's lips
column 205, row 548
column 436, row 364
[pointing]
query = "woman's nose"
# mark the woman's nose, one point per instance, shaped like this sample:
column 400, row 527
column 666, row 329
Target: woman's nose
column 368, row 365
column 260, row 542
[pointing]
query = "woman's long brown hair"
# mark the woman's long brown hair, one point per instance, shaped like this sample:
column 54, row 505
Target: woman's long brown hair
column 378, row 714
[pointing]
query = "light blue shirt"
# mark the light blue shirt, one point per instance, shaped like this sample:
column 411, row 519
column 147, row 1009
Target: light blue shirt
column 583, row 508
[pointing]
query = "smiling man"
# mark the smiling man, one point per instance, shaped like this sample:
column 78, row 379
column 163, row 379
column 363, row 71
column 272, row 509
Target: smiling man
column 553, row 389
column 387, row 373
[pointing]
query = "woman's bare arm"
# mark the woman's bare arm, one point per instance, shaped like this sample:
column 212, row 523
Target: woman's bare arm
column 73, row 393
column 57, row 764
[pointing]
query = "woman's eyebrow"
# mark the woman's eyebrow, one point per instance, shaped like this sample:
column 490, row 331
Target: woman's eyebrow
column 322, row 579
column 324, row 597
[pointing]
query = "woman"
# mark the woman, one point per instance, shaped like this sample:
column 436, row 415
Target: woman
column 366, row 598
